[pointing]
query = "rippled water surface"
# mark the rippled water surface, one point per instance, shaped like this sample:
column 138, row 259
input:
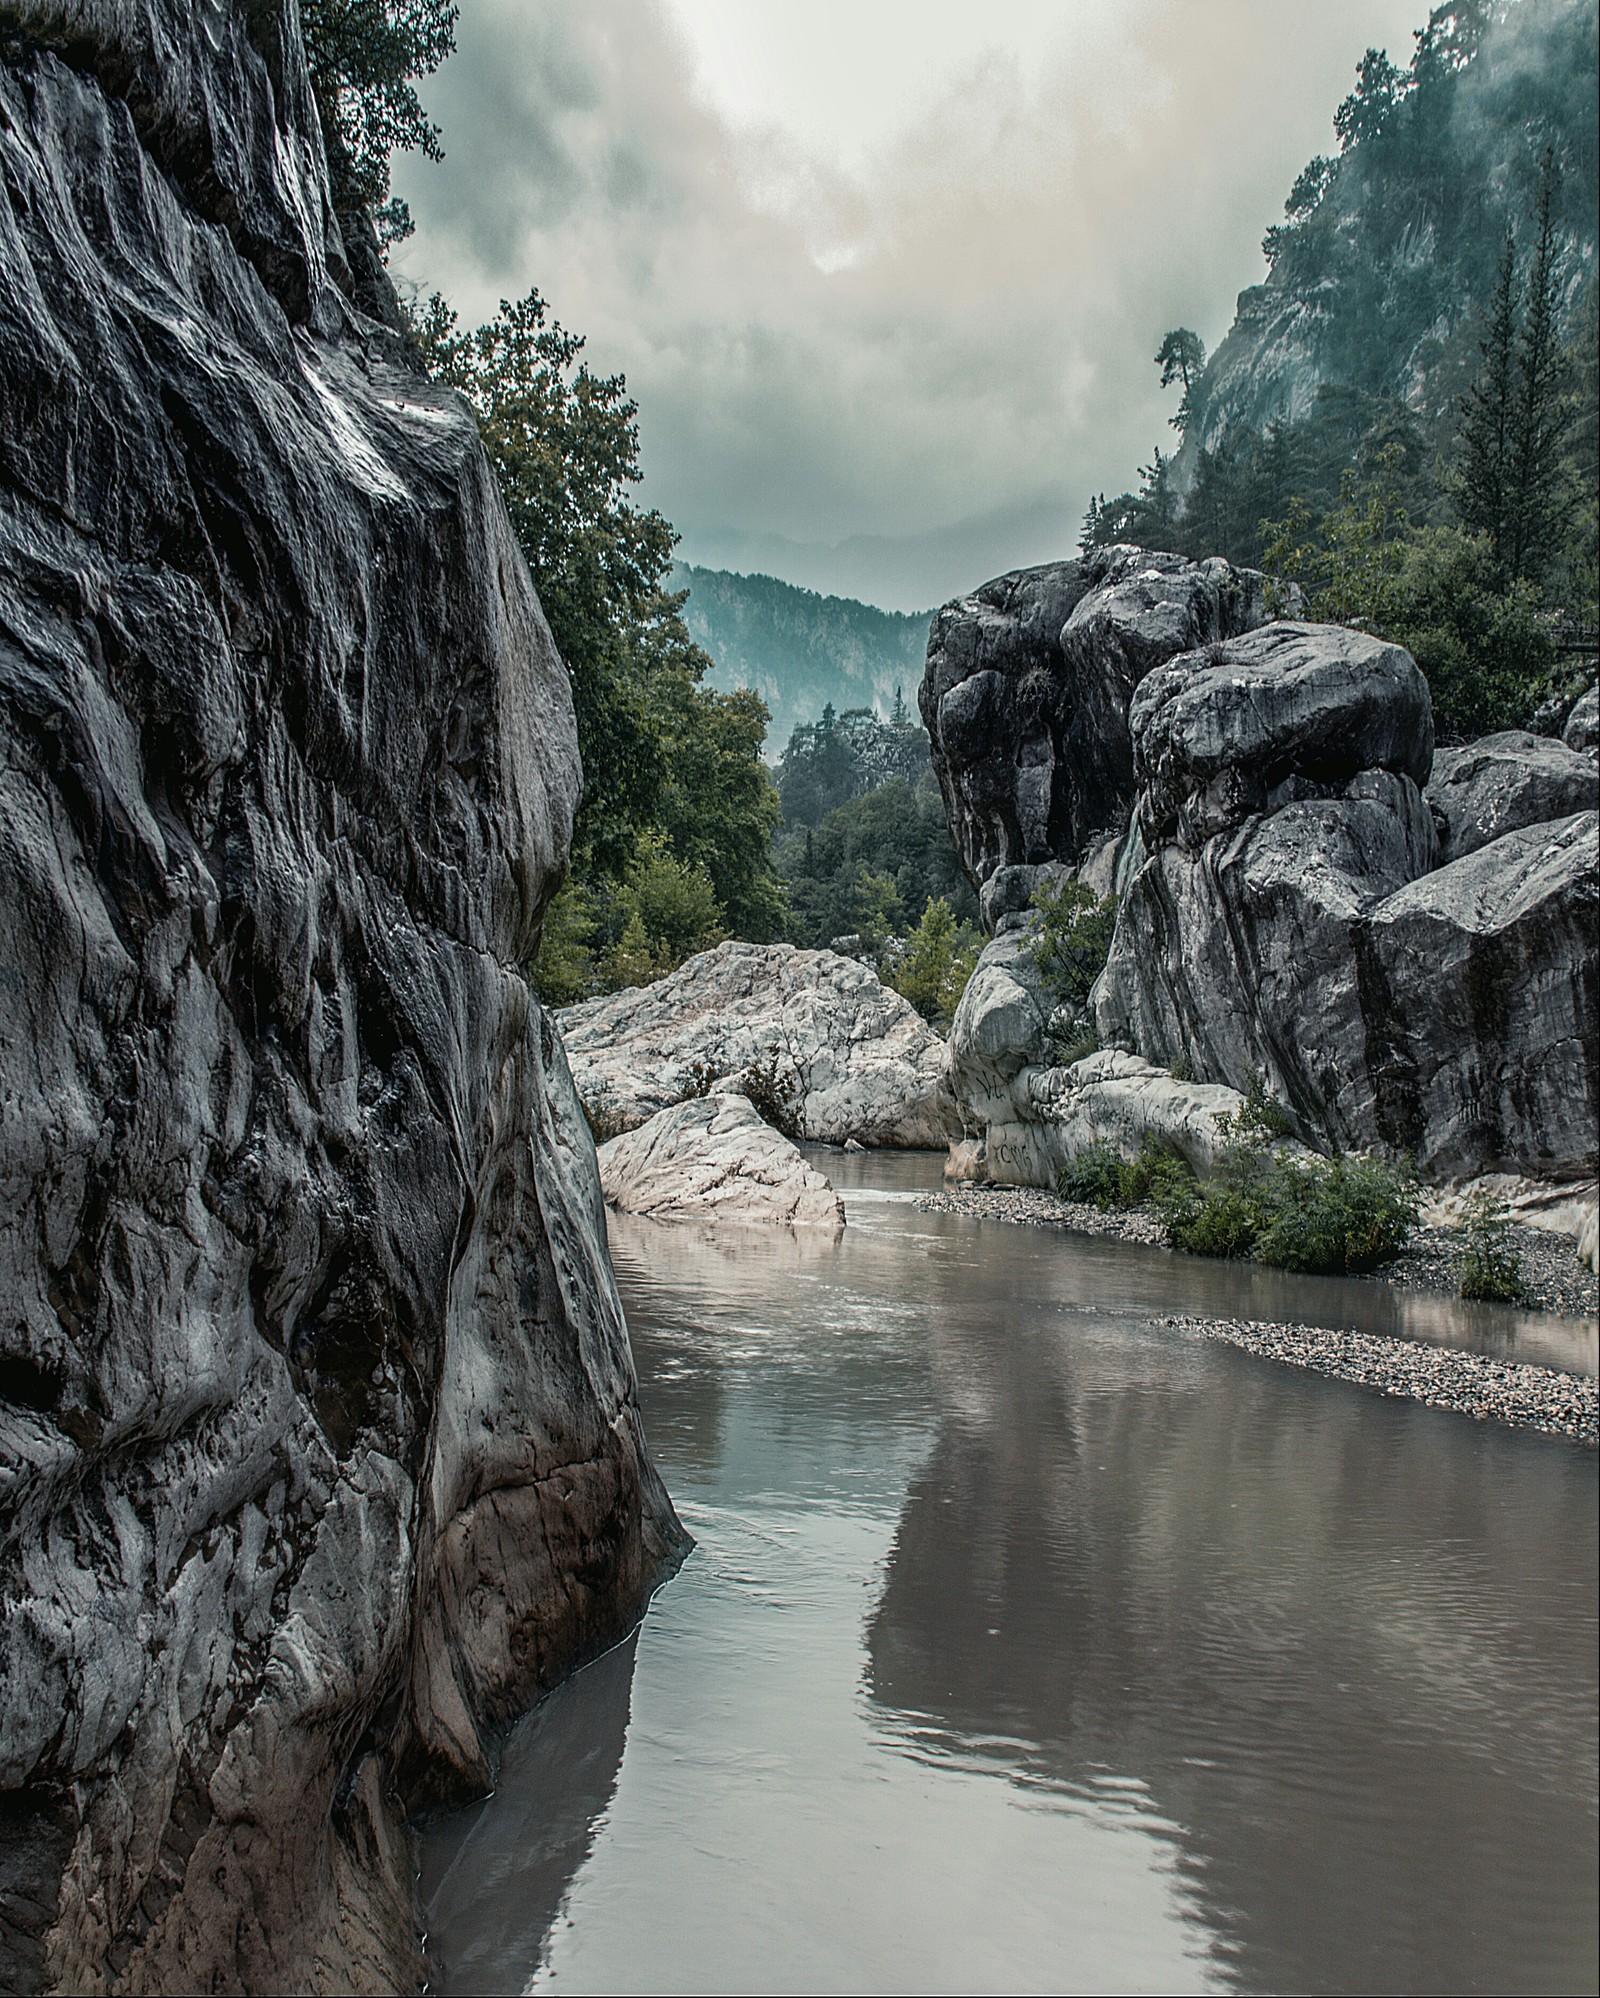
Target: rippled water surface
column 1030, row 1645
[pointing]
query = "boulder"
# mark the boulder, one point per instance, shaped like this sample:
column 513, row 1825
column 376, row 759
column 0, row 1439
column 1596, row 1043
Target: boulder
column 1501, row 783
column 1582, row 731
column 1480, row 987
column 1025, row 1114
column 847, row 1056
column 712, row 1158
column 1450, row 1017
column 1286, row 712
column 1025, row 696
column 1221, row 957
column 319, row 1434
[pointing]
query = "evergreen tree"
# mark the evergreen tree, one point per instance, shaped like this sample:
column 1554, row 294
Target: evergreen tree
column 1534, row 498
column 1181, row 357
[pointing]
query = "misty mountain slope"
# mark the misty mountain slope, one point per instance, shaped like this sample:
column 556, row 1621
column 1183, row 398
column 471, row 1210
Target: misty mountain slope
column 799, row 650
column 1388, row 251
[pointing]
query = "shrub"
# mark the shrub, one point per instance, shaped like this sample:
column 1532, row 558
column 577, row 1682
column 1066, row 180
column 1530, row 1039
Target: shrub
column 1101, row 1177
column 1072, row 940
column 1326, row 1216
column 1333, row 1215
column 1261, row 1117
column 774, row 1091
column 1488, row 1269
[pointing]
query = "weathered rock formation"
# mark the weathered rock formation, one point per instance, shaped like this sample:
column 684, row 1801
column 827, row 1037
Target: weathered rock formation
column 1026, row 1112
column 1504, row 783
column 1025, row 698
column 1284, row 914
column 713, row 1158
column 854, row 1059
column 318, row 1431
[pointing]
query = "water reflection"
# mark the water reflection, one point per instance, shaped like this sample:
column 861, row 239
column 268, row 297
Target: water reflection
column 1030, row 1645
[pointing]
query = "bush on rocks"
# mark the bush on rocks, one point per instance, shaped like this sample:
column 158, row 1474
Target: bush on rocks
column 1101, row 1177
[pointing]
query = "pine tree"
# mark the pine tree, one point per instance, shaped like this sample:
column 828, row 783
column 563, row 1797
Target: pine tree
column 1484, row 444
column 1534, row 497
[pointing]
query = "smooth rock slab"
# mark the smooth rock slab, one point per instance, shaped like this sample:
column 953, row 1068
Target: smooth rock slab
column 1501, row 783
column 863, row 1062
column 713, row 1158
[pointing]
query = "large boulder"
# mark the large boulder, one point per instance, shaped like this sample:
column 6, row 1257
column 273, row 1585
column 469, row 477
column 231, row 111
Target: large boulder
column 1480, row 992
column 319, row 1435
column 1025, row 696
column 1024, row 1112
column 714, row 1159
column 1501, row 783
column 848, row 1057
column 1289, row 711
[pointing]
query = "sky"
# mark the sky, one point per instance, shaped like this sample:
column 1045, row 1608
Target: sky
column 885, row 277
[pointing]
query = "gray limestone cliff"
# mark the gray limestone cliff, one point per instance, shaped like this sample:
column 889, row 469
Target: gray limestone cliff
column 319, row 1437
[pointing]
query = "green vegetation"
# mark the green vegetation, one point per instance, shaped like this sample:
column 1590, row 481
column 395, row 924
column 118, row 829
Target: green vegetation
column 1331, row 1216
column 1101, row 1177
column 1071, row 942
column 1488, row 1268
column 937, row 960
column 1433, row 288
column 365, row 57
column 672, row 845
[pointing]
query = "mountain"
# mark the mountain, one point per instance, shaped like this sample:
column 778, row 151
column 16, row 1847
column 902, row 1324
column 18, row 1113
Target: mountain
column 1386, row 258
column 798, row 650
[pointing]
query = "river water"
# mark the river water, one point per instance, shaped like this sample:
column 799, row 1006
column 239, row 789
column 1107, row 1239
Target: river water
column 1029, row 1645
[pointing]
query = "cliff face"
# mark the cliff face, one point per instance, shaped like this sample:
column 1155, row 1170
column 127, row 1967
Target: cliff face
column 318, row 1431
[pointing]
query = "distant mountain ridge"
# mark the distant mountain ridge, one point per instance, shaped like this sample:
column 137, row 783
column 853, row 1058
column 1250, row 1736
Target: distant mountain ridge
column 798, row 650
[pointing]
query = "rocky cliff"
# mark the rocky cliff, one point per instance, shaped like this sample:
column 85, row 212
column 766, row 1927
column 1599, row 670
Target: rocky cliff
column 318, row 1428
column 1406, row 953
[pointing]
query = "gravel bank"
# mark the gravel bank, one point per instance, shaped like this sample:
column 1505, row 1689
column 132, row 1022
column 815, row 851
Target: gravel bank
column 1488, row 1390
column 1555, row 1279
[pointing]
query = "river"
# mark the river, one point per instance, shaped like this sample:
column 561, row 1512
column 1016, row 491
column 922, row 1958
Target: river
column 1030, row 1645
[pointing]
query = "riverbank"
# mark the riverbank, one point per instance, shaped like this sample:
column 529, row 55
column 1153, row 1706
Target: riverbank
column 1524, row 1397
column 1555, row 1279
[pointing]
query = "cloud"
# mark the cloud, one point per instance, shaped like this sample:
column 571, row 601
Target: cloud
column 896, row 367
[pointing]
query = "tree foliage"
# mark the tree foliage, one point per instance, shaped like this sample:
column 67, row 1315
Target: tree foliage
column 365, row 57
column 672, row 769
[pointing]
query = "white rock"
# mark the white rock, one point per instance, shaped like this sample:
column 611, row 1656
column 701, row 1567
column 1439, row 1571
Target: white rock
column 713, row 1157
column 863, row 1062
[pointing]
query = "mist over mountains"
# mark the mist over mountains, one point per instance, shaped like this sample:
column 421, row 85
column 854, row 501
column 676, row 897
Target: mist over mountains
column 801, row 651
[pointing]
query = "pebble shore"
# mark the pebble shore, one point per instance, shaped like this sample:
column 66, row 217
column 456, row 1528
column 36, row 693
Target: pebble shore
column 1558, row 1404
column 1551, row 1271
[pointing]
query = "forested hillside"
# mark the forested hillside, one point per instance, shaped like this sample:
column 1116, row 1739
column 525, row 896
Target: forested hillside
column 799, row 651
column 1403, row 417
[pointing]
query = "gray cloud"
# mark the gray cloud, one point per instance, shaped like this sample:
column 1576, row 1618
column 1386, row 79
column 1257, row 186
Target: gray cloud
column 895, row 382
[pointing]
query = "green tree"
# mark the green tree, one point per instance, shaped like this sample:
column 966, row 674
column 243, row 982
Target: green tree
column 1541, row 414
column 662, row 754
column 1365, row 114
column 365, row 57
column 938, row 959
column 1181, row 357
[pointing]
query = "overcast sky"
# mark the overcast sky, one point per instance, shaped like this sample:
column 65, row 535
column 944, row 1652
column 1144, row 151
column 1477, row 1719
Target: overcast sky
column 885, row 276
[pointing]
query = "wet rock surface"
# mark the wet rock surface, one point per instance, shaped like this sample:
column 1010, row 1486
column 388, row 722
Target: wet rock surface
column 714, row 1159
column 318, row 1428
column 847, row 1056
